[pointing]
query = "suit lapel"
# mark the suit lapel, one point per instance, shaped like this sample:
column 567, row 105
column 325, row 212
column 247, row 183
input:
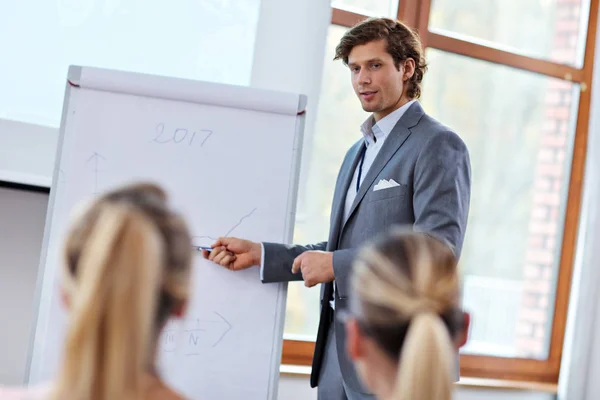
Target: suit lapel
column 346, row 174
column 394, row 141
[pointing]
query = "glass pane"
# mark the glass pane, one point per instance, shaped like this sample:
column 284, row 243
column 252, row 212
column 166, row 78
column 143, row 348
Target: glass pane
column 518, row 127
column 379, row 8
column 548, row 29
column 338, row 122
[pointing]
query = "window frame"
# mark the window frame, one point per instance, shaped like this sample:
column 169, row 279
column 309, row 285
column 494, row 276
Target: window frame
column 415, row 13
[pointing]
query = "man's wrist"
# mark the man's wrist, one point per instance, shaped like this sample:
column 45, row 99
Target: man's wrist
column 257, row 253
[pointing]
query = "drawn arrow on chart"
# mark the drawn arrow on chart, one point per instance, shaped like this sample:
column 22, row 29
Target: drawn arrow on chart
column 197, row 335
column 95, row 160
column 226, row 330
column 206, row 326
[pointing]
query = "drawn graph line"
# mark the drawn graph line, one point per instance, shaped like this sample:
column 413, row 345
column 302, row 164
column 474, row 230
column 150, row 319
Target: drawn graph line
column 240, row 221
column 204, row 237
column 233, row 228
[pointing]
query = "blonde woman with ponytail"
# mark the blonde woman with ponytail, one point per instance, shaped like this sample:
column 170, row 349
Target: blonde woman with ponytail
column 126, row 270
column 405, row 324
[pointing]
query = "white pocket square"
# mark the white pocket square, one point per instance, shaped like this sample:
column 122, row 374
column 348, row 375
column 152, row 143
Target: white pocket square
column 385, row 184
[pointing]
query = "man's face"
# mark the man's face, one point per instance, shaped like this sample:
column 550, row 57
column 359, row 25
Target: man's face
column 376, row 80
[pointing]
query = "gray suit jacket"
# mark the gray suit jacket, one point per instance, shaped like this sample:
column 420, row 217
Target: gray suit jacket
column 431, row 164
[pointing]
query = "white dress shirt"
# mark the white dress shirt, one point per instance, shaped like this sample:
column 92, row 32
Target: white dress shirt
column 374, row 136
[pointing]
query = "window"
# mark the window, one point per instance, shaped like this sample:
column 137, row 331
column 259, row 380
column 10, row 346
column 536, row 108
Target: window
column 519, row 135
column 512, row 78
column 549, row 29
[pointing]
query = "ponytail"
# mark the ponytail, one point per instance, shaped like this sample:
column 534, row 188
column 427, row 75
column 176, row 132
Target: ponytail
column 425, row 369
column 114, row 262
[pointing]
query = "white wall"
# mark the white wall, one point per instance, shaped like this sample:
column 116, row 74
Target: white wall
column 209, row 40
column 22, row 217
column 289, row 57
column 276, row 53
column 27, row 152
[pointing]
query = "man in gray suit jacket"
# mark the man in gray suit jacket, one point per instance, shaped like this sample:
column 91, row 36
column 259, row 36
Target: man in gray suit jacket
column 408, row 169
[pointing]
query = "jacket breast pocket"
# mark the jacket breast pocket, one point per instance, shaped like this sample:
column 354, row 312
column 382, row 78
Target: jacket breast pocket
column 381, row 194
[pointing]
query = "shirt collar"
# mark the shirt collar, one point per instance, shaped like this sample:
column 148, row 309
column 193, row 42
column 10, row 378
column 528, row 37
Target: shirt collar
column 383, row 128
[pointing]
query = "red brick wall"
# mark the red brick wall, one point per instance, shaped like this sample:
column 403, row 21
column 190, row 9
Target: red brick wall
column 541, row 259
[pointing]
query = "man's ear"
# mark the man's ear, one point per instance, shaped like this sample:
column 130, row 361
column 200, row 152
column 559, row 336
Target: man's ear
column 354, row 340
column 463, row 334
column 409, row 69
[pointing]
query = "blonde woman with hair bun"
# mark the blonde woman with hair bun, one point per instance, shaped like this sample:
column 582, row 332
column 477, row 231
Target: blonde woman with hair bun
column 126, row 271
column 405, row 323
